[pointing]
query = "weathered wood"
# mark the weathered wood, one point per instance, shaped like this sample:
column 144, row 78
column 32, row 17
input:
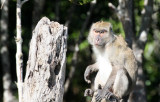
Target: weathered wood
column 45, row 75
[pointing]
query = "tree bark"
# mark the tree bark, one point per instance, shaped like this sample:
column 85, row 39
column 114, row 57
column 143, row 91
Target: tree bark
column 139, row 93
column 125, row 14
column 7, row 93
column 45, row 72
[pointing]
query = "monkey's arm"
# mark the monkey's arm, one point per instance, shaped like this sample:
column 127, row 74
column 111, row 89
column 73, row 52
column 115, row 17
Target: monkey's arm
column 89, row 70
column 111, row 79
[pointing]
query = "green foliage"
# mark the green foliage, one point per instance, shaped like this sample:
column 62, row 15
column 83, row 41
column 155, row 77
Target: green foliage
column 117, row 27
column 84, row 45
column 152, row 69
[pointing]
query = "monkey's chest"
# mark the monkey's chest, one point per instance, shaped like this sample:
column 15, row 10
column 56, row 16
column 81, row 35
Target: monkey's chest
column 105, row 69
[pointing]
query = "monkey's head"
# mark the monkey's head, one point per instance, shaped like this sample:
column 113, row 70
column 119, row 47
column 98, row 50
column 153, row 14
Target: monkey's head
column 100, row 33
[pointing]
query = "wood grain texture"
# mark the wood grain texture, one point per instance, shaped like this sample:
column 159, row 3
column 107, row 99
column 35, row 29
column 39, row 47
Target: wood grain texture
column 45, row 73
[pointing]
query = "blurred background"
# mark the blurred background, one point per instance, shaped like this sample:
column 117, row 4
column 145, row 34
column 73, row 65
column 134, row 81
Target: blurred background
column 77, row 15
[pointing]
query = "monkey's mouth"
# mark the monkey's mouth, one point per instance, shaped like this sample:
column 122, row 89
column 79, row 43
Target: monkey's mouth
column 98, row 44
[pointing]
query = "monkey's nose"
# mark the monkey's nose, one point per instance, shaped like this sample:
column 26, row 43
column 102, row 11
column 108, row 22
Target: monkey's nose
column 97, row 40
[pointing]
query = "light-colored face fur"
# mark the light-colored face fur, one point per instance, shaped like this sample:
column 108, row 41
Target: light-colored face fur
column 100, row 33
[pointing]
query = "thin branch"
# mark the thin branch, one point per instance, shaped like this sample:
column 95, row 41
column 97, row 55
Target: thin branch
column 112, row 7
column 19, row 54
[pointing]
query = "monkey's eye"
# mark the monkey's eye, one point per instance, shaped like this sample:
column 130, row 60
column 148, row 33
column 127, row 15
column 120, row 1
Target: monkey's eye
column 96, row 31
column 103, row 31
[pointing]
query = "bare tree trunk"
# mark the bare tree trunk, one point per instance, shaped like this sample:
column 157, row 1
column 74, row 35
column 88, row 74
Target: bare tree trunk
column 19, row 54
column 37, row 11
column 45, row 75
column 139, row 94
column 125, row 14
column 7, row 93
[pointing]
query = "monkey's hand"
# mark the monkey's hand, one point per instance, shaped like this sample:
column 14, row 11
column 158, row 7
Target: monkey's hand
column 105, row 94
column 88, row 92
column 87, row 75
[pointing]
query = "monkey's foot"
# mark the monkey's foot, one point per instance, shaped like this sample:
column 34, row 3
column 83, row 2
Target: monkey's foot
column 111, row 97
column 101, row 94
column 88, row 92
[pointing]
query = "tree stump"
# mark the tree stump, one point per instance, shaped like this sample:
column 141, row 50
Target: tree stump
column 45, row 72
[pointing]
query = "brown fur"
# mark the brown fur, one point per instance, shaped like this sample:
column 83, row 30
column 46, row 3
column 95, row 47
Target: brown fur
column 115, row 50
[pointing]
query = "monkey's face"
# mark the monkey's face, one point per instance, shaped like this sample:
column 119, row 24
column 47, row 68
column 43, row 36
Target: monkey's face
column 100, row 33
column 100, row 37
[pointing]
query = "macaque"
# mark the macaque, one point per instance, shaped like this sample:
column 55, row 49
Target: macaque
column 115, row 65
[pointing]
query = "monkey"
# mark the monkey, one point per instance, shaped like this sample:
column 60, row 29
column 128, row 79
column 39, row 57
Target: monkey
column 116, row 65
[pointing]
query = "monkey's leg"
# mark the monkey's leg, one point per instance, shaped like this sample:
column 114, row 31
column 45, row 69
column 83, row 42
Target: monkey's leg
column 107, row 91
column 122, row 84
column 109, row 88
